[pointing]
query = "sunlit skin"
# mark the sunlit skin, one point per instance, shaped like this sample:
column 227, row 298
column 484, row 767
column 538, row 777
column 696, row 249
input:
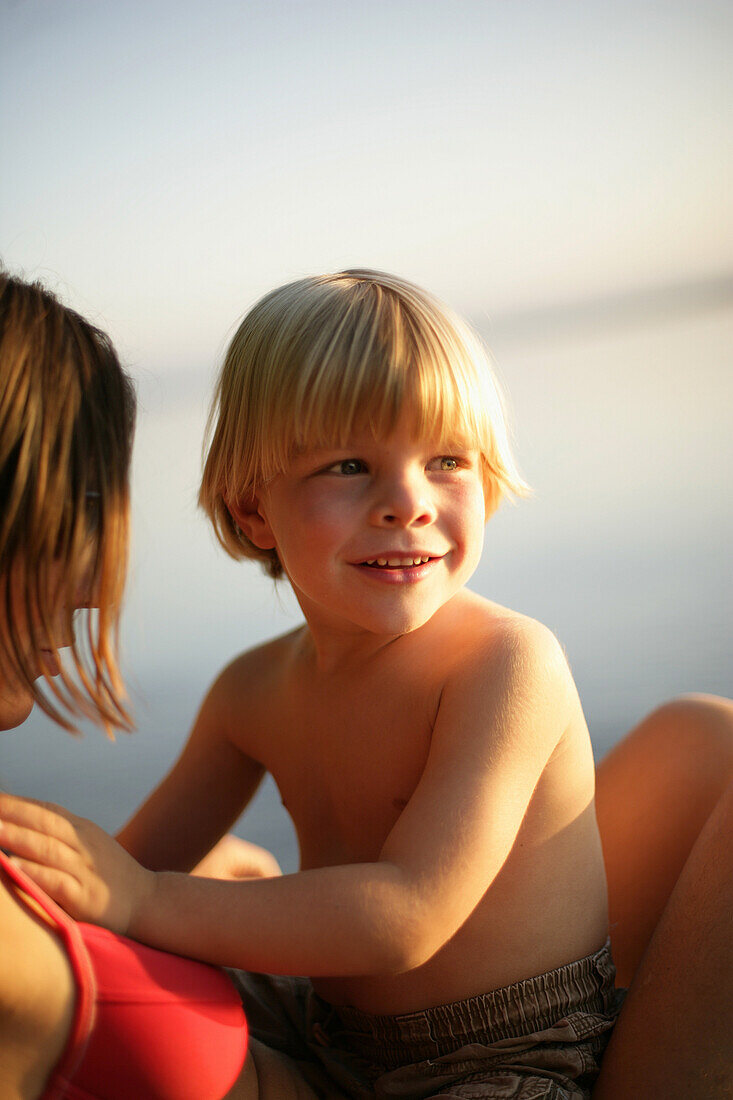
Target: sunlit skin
column 429, row 746
column 432, row 752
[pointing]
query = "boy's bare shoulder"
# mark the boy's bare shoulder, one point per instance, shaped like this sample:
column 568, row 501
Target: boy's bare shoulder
column 496, row 643
column 494, row 630
column 256, row 672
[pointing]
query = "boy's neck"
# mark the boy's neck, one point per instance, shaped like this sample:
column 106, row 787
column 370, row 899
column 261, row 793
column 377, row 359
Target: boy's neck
column 332, row 653
column 330, row 650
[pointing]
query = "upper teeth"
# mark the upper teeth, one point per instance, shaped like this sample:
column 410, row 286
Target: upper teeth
column 403, row 562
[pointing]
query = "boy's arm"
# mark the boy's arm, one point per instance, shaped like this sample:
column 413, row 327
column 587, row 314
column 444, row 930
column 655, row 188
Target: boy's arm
column 498, row 724
column 203, row 794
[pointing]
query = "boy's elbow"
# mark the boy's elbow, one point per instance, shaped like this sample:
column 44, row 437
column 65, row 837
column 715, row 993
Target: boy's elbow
column 407, row 944
column 397, row 957
column 413, row 954
column 405, row 926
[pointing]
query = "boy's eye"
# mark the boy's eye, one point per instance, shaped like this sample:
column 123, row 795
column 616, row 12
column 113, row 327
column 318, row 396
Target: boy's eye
column 348, row 467
column 445, row 463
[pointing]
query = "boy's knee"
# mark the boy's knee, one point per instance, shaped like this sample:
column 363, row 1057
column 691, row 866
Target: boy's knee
column 691, row 738
column 704, row 721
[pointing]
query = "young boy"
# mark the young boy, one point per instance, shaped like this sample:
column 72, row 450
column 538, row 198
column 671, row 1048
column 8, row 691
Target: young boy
column 450, row 911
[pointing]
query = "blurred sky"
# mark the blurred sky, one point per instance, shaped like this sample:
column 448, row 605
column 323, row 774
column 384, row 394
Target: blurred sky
column 166, row 162
column 558, row 170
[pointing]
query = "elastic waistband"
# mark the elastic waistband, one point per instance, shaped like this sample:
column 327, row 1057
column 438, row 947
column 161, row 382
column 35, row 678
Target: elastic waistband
column 531, row 1005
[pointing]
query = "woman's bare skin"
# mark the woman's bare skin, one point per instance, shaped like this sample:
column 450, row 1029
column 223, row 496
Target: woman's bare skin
column 37, row 997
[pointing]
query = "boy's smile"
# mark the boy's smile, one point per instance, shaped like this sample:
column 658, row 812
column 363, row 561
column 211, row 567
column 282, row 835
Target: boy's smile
column 376, row 535
column 400, row 569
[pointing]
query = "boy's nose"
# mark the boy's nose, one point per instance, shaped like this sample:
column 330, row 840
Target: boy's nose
column 403, row 503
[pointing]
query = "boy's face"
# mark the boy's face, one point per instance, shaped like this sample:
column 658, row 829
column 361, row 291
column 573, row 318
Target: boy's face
column 376, row 535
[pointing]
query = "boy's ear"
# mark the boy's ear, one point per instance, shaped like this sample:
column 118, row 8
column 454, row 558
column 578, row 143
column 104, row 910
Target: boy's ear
column 249, row 517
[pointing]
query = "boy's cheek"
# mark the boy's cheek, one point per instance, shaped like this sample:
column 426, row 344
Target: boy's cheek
column 474, row 508
column 321, row 516
column 466, row 508
column 474, row 494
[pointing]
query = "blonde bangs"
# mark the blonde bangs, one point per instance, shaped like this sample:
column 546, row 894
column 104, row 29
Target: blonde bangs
column 371, row 378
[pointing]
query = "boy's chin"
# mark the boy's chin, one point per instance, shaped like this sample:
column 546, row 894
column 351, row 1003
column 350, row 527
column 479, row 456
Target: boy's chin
column 398, row 623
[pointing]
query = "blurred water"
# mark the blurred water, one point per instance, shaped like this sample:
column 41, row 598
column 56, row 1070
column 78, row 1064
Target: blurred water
column 624, row 552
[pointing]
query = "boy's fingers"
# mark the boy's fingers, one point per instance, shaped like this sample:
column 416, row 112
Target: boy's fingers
column 38, row 847
column 42, row 817
column 61, row 887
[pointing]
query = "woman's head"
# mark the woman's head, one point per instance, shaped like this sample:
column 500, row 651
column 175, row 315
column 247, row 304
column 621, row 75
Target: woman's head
column 320, row 357
column 66, row 422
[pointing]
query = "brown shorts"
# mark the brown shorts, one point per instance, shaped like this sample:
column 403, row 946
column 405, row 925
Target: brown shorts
column 540, row 1039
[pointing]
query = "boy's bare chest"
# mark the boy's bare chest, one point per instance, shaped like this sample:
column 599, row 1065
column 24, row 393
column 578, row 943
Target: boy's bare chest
column 347, row 759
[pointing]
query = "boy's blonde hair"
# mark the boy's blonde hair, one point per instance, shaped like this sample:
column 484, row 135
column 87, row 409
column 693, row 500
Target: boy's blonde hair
column 318, row 358
column 67, row 412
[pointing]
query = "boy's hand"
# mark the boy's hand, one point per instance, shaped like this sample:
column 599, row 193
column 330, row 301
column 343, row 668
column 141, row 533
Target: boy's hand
column 75, row 862
column 234, row 858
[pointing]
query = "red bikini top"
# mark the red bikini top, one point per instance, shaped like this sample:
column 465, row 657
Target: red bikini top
column 147, row 1024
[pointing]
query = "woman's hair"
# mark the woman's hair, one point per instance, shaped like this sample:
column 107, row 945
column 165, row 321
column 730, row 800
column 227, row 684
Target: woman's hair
column 67, row 412
column 317, row 358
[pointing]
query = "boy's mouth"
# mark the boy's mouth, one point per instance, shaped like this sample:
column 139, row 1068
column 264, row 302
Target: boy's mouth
column 399, row 568
column 397, row 563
